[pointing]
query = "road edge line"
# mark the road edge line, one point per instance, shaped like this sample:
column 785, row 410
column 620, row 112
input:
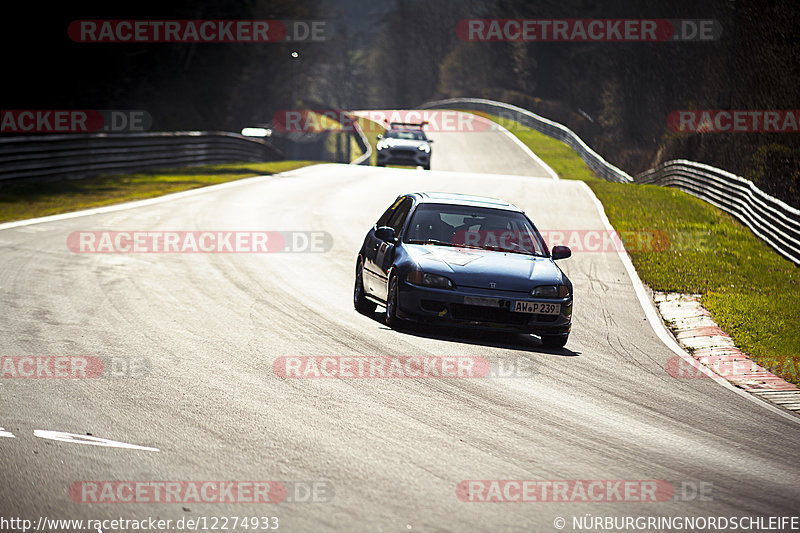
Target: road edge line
column 141, row 203
column 658, row 326
column 531, row 153
column 525, row 148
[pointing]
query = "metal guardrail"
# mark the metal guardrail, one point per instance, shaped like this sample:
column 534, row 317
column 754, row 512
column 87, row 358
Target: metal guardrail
column 552, row 129
column 363, row 144
column 773, row 221
column 311, row 145
column 81, row 155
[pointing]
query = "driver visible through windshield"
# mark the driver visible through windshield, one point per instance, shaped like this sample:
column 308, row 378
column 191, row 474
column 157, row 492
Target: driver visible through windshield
column 407, row 135
column 474, row 227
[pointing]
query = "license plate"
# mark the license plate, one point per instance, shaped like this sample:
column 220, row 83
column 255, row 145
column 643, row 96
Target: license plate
column 537, row 307
column 484, row 302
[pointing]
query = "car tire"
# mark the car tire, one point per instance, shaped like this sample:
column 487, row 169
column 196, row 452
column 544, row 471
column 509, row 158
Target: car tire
column 554, row 341
column 360, row 301
column 380, row 164
column 390, row 316
column 427, row 167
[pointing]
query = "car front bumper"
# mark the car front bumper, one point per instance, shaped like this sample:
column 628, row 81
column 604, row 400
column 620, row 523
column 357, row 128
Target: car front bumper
column 403, row 157
column 447, row 306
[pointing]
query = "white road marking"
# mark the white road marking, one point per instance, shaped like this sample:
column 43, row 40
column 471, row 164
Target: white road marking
column 8, row 434
column 88, row 439
column 545, row 166
column 658, row 326
column 142, row 203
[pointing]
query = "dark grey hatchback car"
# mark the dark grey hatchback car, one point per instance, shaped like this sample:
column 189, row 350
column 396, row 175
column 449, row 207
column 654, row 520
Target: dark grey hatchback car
column 463, row 261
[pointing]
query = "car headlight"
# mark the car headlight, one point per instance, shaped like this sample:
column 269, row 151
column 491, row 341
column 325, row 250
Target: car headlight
column 418, row 277
column 425, row 148
column 550, row 291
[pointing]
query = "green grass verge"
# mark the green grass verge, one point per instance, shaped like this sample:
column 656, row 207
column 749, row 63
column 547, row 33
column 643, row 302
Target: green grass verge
column 560, row 157
column 751, row 291
column 23, row 200
column 371, row 131
column 331, row 152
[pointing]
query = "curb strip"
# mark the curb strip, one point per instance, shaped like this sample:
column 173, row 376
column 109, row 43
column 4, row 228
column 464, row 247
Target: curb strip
column 707, row 343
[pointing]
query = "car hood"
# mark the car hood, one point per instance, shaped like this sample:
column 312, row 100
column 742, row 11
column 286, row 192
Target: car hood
column 403, row 143
column 468, row 267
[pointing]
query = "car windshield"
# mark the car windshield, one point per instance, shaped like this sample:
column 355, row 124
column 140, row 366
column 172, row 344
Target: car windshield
column 474, row 227
column 406, row 134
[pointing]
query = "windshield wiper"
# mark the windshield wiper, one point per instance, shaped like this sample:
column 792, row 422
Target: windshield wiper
column 430, row 241
column 472, row 246
column 517, row 251
column 523, row 252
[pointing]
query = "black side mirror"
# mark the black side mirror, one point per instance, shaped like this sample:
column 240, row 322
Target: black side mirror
column 385, row 233
column 560, row 252
column 430, row 141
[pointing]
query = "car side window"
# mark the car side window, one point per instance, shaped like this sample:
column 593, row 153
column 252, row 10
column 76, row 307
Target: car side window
column 384, row 220
column 398, row 218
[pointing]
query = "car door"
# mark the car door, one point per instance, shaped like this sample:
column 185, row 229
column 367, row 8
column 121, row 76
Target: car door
column 381, row 253
column 371, row 245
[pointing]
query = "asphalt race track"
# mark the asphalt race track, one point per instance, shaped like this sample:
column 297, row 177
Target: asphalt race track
column 390, row 451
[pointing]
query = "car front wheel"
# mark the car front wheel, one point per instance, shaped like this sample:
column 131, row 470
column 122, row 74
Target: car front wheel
column 390, row 316
column 360, row 301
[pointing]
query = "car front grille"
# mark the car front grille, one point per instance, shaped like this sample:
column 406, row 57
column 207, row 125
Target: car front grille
column 488, row 314
column 496, row 315
column 403, row 154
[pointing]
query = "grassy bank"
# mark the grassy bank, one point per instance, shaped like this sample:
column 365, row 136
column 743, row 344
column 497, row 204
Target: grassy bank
column 24, row 200
column 751, row 291
column 31, row 199
column 371, row 131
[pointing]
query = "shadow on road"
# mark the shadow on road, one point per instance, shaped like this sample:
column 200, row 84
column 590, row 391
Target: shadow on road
column 496, row 339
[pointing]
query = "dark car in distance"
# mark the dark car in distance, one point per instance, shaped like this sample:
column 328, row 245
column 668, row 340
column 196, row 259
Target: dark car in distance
column 464, row 261
column 404, row 143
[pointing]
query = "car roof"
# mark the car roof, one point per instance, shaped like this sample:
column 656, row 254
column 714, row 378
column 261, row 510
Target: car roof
column 463, row 199
column 405, row 130
column 407, row 125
